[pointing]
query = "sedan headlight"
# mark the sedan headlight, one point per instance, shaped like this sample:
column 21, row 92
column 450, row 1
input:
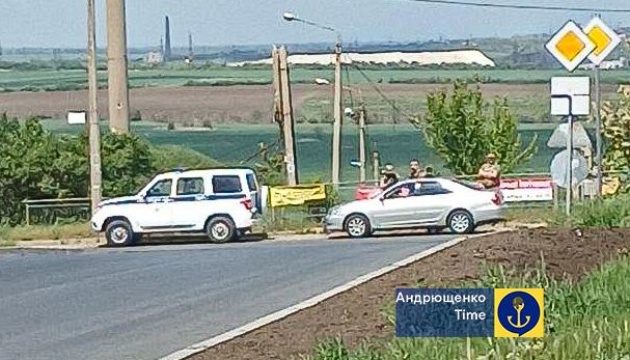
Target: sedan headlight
column 334, row 210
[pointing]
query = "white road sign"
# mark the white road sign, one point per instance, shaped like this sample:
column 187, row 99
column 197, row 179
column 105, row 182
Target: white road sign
column 570, row 46
column 604, row 38
column 578, row 88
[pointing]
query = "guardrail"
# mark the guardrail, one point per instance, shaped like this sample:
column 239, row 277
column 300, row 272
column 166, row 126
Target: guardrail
column 70, row 209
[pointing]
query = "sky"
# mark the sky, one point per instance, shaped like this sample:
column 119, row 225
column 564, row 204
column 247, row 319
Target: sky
column 62, row 23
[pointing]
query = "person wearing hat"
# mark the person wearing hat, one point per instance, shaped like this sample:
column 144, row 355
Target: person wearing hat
column 490, row 173
column 389, row 176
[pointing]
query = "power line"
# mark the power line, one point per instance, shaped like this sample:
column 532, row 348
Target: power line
column 380, row 92
column 523, row 7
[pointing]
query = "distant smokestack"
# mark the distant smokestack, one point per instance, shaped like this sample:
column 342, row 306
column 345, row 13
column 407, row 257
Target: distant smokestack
column 191, row 53
column 167, row 45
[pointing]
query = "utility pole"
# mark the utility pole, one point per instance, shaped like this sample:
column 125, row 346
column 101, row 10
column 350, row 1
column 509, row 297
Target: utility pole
column 118, row 89
column 598, row 134
column 338, row 113
column 287, row 118
column 277, row 91
column 94, row 131
column 362, row 158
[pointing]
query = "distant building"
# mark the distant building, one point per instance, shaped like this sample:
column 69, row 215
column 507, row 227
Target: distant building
column 621, row 63
column 154, row 58
column 469, row 57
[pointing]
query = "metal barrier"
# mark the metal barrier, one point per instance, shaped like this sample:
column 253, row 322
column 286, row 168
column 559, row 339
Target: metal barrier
column 72, row 207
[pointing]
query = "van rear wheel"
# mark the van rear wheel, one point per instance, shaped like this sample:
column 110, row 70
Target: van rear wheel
column 221, row 229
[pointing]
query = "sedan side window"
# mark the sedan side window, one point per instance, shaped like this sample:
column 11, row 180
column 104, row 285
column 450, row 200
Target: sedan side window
column 402, row 191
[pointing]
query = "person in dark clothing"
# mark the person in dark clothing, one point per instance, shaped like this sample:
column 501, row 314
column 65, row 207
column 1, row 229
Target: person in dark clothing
column 389, row 176
column 428, row 172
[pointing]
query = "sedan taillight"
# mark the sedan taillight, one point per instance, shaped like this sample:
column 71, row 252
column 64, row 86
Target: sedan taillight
column 497, row 199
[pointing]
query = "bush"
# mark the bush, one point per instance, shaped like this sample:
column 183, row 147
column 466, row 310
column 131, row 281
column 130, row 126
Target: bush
column 37, row 164
column 607, row 213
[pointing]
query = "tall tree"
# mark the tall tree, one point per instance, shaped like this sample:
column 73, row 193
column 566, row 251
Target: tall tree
column 460, row 130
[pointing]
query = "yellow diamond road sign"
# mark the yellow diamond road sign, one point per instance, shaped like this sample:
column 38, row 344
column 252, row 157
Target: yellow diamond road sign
column 604, row 38
column 570, row 46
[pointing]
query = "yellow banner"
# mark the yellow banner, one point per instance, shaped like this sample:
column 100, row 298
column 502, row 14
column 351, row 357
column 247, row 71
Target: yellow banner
column 296, row 195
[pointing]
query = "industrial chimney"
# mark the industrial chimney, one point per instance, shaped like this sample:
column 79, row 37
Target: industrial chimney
column 167, row 45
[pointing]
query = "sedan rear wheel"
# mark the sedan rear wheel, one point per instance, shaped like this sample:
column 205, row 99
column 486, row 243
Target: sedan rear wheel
column 461, row 222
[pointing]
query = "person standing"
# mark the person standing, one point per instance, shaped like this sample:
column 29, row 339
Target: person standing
column 389, row 176
column 415, row 170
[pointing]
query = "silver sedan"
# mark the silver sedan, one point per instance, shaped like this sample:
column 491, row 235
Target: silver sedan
column 432, row 203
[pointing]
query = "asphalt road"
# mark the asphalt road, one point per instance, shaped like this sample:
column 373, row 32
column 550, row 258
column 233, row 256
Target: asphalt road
column 149, row 301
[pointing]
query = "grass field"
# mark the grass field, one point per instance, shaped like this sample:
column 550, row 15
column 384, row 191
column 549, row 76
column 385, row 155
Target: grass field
column 12, row 80
column 396, row 143
column 588, row 320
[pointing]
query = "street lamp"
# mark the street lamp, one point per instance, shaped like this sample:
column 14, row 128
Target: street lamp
column 337, row 109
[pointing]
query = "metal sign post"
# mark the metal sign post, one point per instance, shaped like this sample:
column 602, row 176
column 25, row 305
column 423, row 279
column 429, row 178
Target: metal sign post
column 570, row 149
column 605, row 40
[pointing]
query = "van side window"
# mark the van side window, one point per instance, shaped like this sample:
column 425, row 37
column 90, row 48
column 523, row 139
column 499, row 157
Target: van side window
column 190, row 186
column 161, row 188
column 251, row 182
column 226, row 184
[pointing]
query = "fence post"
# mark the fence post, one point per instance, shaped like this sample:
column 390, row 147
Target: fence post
column 28, row 214
column 555, row 196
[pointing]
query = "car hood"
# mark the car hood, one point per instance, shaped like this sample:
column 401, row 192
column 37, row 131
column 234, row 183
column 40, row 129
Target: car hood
column 120, row 200
column 357, row 205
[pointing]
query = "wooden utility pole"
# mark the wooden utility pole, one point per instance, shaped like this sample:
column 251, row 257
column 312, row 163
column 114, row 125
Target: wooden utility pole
column 118, row 90
column 338, row 113
column 277, row 91
column 362, row 158
column 287, row 117
column 94, row 130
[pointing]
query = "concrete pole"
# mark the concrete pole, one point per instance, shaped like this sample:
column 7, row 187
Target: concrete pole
column 287, row 116
column 338, row 113
column 376, row 167
column 362, row 159
column 118, row 90
column 96, row 177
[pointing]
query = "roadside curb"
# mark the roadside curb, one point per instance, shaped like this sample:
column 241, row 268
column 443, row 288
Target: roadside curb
column 281, row 314
column 93, row 243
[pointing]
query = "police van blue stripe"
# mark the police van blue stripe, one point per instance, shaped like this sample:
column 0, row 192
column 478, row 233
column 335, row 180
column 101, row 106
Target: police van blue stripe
column 180, row 198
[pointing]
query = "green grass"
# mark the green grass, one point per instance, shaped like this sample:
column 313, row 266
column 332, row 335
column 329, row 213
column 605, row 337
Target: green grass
column 397, row 144
column 588, row 320
column 11, row 235
column 59, row 79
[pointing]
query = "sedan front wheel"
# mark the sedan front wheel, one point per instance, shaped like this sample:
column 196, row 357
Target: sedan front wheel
column 358, row 226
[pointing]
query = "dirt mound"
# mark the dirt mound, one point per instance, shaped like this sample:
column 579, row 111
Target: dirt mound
column 356, row 315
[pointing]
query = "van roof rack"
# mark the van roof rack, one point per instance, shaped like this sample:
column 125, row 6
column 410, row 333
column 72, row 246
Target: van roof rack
column 183, row 169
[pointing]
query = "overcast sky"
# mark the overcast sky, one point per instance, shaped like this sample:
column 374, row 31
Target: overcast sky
column 61, row 23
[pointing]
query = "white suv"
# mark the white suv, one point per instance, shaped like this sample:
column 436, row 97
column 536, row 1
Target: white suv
column 219, row 202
